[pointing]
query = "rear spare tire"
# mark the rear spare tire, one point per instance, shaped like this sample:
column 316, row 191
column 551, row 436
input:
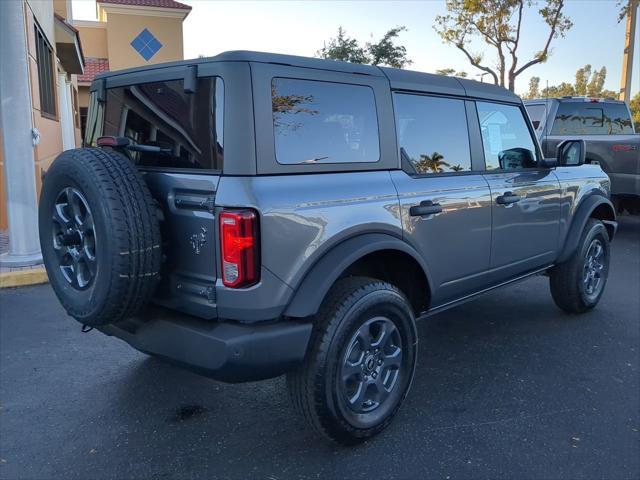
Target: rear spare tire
column 99, row 235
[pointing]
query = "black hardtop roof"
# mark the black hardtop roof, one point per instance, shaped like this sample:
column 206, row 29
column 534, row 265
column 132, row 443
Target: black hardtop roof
column 399, row 79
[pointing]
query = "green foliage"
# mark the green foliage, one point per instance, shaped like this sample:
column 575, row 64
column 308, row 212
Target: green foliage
column 497, row 23
column 343, row 48
column 451, row 72
column 383, row 52
column 588, row 82
column 534, row 88
column 634, row 105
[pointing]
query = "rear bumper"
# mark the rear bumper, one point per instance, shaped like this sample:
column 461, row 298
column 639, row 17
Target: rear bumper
column 227, row 351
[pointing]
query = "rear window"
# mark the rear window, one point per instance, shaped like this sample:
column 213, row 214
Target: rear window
column 187, row 126
column 322, row 122
column 592, row 118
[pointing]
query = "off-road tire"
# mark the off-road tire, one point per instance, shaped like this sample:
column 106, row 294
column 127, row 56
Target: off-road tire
column 566, row 279
column 312, row 387
column 126, row 229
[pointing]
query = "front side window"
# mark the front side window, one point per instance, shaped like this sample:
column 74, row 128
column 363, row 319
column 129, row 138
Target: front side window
column 188, row 127
column 432, row 133
column 506, row 139
column 592, row 118
column 323, row 122
column 537, row 114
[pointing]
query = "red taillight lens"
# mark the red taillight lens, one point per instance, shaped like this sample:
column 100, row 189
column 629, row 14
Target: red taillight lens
column 240, row 247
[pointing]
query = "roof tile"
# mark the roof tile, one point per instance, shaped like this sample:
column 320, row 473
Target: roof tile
column 149, row 3
column 92, row 67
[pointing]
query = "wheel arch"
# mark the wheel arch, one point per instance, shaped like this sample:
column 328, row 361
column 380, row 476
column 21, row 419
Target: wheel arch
column 364, row 255
column 593, row 206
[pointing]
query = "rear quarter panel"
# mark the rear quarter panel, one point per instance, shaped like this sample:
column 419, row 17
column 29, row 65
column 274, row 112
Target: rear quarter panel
column 303, row 216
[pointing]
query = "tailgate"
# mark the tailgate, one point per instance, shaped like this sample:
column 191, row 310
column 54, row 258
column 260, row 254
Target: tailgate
column 188, row 227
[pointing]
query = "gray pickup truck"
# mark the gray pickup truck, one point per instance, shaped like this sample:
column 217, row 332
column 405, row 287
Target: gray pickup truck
column 252, row 214
column 606, row 127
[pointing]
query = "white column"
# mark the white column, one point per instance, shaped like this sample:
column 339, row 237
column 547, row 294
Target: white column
column 16, row 125
column 66, row 113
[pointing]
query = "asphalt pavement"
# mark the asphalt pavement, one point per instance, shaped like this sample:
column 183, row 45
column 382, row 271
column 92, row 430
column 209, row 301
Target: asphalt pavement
column 507, row 386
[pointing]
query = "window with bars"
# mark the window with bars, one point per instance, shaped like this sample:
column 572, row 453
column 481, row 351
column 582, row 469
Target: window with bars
column 46, row 74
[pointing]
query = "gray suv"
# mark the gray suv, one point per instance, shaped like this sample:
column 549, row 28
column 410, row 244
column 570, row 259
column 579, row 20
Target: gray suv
column 252, row 214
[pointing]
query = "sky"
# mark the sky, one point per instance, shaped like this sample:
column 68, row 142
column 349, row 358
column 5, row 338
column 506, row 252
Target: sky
column 302, row 27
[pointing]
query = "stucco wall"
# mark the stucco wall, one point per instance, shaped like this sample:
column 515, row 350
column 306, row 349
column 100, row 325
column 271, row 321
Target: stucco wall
column 93, row 36
column 122, row 29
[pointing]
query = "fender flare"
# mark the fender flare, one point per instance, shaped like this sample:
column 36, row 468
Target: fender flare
column 311, row 291
column 580, row 218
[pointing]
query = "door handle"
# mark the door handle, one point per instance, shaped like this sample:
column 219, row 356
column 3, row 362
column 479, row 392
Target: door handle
column 507, row 198
column 426, row 207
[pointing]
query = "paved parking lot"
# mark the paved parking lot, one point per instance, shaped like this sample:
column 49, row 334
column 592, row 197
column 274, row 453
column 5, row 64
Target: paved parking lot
column 507, row 387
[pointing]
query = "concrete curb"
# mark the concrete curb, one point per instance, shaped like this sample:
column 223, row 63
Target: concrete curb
column 20, row 278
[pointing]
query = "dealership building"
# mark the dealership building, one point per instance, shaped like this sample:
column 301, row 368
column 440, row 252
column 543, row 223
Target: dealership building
column 49, row 60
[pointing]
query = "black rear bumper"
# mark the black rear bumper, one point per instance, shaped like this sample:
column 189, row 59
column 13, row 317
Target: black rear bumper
column 227, row 351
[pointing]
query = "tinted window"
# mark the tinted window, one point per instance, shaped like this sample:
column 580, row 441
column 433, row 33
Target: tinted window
column 592, row 118
column 323, row 122
column 506, row 138
column 432, row 133
column 187, row 126
column 537, row 114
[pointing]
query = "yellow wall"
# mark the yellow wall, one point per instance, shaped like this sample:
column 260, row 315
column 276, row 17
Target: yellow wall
column 93, row 36
column 122, row 29
column 62, row 8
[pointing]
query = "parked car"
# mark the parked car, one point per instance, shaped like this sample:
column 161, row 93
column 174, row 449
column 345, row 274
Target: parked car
column 252, row 214
column 608, row 130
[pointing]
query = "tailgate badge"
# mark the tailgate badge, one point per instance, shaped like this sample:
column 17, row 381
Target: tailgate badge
column 198, row 240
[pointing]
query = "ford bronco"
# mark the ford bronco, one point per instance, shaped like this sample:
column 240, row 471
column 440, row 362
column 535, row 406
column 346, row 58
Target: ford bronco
column 252, row 214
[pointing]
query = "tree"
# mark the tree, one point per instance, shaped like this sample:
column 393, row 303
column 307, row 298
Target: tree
column 498, row 23
column 383, row 52
column 386, row 52
column 343, row 48
column 634, row 105
column 588, row 82
column 433, row 163
column 534, row 88
column 450, row 72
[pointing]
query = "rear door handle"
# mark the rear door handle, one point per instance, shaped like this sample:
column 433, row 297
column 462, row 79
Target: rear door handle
column 426, row 207
column 507, row 198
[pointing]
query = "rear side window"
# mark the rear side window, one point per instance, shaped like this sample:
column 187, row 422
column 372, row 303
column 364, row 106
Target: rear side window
column 592, row 118
column 323, row 122
column 188, row 127
column 506, row 139
column 432, row 133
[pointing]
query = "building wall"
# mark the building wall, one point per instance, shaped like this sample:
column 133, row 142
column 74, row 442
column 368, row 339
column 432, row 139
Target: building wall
column 93, row 36
column 50, row 130
column 123, row 28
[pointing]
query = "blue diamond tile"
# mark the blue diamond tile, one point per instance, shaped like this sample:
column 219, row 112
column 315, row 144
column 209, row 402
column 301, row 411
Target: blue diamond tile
column 137, row 44
column 146, row 44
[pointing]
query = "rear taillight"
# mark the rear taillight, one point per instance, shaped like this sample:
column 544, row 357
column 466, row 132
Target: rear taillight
column 240, row 247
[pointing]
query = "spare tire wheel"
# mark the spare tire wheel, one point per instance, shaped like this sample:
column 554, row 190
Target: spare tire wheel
column 99, row 235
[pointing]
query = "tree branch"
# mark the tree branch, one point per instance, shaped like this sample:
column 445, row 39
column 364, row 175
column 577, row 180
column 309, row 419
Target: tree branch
column 476, row 64
column 543, row 55
column 516, row 42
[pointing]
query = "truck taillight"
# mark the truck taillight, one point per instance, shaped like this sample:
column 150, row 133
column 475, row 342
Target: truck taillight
column 240, row 247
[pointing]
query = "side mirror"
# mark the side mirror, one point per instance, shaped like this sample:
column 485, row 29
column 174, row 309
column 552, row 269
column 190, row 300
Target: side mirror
column 571, row 153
